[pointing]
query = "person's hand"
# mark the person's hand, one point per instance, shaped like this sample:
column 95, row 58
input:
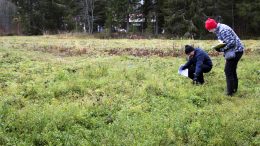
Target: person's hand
column 222, row 49
column 219, row 49
column 195, row 80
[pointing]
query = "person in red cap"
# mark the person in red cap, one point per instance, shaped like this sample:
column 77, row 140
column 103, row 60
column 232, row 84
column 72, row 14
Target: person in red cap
column 226, row 34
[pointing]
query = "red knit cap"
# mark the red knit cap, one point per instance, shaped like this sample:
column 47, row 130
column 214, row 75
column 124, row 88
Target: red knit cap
column 210, row 24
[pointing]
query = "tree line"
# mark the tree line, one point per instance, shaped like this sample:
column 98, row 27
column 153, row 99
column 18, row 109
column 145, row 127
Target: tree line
column 175, row 18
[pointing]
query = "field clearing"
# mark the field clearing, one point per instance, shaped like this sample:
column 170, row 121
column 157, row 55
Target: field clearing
column 62, row 90
column 73, row 46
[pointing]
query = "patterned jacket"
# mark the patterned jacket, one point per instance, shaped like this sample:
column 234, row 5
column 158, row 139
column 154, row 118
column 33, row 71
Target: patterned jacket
column 228, row 36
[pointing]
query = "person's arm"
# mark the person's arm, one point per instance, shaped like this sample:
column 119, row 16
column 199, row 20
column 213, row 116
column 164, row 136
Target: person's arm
column 187, row 65
column 229, row 39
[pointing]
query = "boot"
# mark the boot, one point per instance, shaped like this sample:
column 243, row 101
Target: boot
column 230, row 87
column 235, row 86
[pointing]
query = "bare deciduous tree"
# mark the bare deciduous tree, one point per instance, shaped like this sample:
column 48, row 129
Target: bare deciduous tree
column 7, row 12
column 88, row 15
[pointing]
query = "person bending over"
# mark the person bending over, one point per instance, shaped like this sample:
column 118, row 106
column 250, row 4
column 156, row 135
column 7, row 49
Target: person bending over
column 199, row 62
column 228, row 36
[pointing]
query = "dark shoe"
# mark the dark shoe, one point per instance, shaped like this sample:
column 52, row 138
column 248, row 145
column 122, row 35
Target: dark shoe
column 230, row 87
column 229, row 94
column 197, row 83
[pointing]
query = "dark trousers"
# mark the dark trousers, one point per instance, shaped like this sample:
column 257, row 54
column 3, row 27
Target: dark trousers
column 231, row 73
column 205, row 69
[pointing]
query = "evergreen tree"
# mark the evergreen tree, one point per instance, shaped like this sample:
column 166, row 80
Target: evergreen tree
column 177, row 17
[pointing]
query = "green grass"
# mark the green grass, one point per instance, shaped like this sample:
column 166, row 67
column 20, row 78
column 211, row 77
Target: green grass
column 93, row 98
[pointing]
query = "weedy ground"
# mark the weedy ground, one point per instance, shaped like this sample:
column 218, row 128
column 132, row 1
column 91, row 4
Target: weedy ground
column 61, row 90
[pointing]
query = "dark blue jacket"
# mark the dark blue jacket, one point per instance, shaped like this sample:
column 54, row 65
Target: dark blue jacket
column 200, row 57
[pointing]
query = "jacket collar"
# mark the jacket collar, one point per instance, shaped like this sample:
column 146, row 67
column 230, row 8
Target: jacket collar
column 218, row 27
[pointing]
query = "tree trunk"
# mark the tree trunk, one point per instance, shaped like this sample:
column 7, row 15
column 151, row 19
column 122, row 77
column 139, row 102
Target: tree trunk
column 233, row 17
column 7, row 11
column 92, row 15
column 89, row 15
column 156, row 24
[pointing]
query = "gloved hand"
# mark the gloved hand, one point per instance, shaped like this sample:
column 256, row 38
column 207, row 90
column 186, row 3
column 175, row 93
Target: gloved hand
column 221, row 49
column 181, row 68
column 195, row 81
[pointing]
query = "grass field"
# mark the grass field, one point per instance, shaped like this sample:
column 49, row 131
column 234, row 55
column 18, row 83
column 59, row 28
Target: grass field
column 63, row 90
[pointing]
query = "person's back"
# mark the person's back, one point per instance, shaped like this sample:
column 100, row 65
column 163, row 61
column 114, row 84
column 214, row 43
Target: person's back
column 201, row 55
